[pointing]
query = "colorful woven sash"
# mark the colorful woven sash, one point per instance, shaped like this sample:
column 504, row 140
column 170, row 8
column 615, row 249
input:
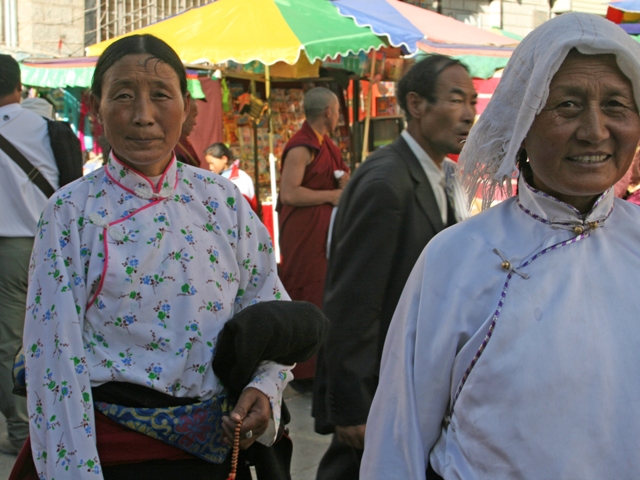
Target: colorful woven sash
column 195, row 428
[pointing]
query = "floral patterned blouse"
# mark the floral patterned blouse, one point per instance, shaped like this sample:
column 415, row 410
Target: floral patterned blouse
column 133, row 282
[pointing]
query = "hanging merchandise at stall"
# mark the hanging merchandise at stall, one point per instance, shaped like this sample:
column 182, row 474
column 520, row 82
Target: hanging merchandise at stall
column 287, row 117
column 388, row 67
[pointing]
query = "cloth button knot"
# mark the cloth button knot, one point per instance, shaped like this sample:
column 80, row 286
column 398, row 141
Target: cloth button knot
column 578, row 230
column 506, row 265
column 145, row 191
column 113, row 231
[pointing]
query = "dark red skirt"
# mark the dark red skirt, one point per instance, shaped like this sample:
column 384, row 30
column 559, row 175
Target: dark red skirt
column 129, row 455
column 122, row 451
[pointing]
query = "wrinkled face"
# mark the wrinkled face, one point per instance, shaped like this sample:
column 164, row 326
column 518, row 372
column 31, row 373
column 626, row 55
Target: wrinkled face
column 216, row 165
column 443, row 126
column 142, row 111
column 584, row 139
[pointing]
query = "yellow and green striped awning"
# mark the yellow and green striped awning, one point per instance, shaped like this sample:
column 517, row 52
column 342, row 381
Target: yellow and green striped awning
column 265, row 30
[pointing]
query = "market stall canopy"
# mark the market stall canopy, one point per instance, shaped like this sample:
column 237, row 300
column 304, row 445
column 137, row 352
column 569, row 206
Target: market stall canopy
column 627, row 14
column 268, row 31
column 58, row 73
column 441, row 34
column 506, row 33
column 479, row 66
column 77, row 72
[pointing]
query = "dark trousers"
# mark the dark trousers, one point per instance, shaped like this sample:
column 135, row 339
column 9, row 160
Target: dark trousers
column 340, row 462
column 15, row 253
column 431, row 475
column 271, row 463
column 174, row 470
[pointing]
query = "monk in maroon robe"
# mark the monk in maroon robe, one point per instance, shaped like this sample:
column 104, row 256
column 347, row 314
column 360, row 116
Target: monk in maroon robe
column 184, row 150
column 309, row 189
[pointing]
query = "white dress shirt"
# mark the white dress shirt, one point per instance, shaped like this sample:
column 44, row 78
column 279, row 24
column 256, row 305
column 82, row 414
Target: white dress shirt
column 440, row 178
column 22, row 201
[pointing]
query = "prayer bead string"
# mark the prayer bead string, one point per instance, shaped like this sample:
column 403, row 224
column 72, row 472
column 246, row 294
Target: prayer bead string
column 235, row 452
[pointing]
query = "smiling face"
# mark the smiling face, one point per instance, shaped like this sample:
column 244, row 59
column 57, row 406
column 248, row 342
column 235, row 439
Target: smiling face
column 584, row 139
column 142, row 111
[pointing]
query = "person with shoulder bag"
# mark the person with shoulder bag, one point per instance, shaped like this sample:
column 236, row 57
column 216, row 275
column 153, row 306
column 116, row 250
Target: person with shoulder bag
column 36, row 157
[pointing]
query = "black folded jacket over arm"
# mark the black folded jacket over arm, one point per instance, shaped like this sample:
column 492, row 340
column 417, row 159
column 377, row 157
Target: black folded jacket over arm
column 277, row 331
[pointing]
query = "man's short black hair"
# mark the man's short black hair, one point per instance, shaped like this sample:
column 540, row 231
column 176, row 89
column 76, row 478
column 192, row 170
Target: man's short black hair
column 422, row 79
column 9, row 75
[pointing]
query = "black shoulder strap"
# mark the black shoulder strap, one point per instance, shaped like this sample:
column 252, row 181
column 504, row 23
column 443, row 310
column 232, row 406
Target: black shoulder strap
column 66, row 151
column 32, row 172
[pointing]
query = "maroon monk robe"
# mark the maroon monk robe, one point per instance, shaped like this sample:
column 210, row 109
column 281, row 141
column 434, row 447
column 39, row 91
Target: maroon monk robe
column 186, row 153
column 303, row 230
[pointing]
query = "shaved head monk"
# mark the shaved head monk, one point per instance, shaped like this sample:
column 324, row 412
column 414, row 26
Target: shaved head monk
column 309, row 189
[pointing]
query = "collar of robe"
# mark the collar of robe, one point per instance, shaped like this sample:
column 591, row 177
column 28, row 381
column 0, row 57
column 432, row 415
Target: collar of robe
column 139, row 184
column 557, row 214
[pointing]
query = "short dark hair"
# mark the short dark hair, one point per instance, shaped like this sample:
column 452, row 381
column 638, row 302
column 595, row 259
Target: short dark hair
column 422, row 79
column 219, row 150
column 135, row 45
column 9, row 75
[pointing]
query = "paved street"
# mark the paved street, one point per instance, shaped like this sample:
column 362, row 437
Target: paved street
column 308, row 447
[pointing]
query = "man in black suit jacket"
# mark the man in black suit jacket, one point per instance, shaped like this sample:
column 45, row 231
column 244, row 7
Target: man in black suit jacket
column 394, row 204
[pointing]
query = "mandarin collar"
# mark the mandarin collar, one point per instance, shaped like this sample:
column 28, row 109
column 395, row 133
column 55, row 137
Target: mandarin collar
column 139, row 184
column 551, row 211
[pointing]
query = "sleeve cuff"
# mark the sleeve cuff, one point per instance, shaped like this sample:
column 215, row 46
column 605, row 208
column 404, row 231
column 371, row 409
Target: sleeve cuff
column 271, row 379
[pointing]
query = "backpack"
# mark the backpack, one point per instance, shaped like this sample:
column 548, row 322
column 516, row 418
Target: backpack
column 66, row 150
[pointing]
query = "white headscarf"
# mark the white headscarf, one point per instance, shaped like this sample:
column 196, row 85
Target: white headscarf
column 489, row 155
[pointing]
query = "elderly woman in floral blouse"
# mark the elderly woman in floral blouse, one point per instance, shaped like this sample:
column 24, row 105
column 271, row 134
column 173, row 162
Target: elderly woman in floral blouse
column 135, row 270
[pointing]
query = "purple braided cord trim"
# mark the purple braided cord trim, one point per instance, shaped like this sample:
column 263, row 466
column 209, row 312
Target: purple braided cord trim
column 567, row 224
column 533, row 215
column 496, row 314
column 600, row 199
column 546, row 195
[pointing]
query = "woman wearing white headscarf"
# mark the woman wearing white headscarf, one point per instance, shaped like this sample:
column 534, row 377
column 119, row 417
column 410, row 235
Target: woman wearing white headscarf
column 515, row 346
